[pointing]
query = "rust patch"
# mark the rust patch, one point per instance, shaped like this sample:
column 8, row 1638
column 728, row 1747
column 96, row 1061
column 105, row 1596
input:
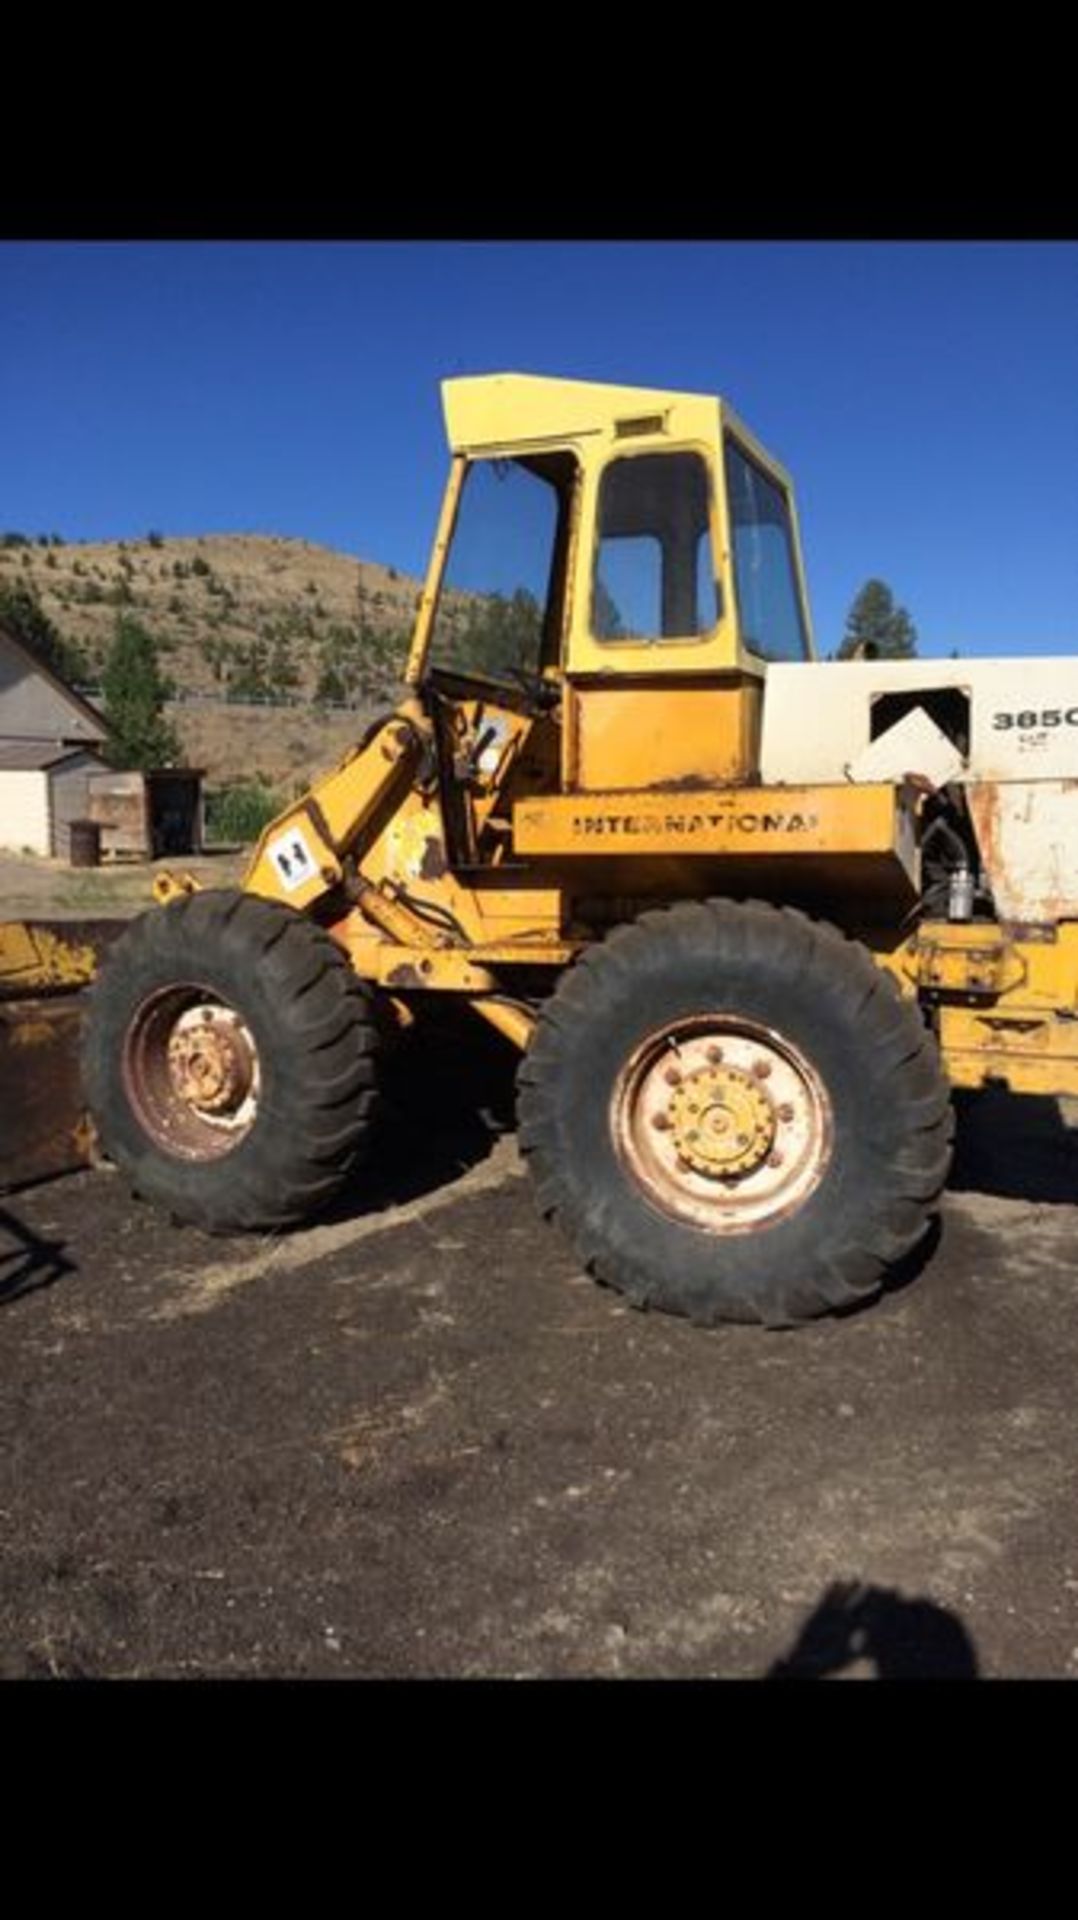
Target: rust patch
column 983, row 800
column 406, row 975
column 685, row 783
column 40, row 1115
column 433, row 864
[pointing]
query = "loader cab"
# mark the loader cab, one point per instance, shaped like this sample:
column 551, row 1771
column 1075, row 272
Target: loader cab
column 613, row 572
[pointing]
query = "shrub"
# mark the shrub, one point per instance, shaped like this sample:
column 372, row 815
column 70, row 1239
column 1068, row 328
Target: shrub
column 155, row 539
column 240, row 811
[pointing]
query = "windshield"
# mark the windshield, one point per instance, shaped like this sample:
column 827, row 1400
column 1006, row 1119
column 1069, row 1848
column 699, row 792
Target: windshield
column 499, row 610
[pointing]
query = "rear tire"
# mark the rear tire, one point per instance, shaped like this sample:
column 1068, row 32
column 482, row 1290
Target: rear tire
column 229, row 1061
column 735, row 1115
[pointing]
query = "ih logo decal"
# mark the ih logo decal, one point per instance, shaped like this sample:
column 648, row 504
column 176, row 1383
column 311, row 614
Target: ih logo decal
column 292, row 857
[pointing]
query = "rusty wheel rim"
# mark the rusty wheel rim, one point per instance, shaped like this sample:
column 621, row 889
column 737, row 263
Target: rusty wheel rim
column 723, row 1122
column 191, row 1072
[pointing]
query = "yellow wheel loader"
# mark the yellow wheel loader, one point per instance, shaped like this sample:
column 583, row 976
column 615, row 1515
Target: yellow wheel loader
column 748, row 917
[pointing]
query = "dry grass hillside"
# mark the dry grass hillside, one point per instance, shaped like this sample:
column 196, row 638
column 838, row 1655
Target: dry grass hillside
column 242, row 620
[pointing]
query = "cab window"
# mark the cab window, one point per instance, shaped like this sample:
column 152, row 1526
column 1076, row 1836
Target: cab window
column 654, row 575
column 765, row 577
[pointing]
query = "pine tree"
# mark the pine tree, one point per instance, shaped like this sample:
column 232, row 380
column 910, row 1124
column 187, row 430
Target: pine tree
column 135, row 691
column 23, row 615
column 876, row 628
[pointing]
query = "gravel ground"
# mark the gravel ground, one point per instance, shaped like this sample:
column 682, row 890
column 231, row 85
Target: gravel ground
column 414, row 1440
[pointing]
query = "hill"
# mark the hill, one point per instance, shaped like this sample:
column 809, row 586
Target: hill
column 279, row 649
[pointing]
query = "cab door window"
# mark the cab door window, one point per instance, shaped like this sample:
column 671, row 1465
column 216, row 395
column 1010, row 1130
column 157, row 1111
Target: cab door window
column 654, row 573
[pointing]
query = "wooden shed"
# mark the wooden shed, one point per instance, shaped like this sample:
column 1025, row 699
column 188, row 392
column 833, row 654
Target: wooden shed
column 148, row 814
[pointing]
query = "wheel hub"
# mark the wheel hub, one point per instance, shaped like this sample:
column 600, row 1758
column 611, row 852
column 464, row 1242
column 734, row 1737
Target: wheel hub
column 210, row 1060
column 721, row 1121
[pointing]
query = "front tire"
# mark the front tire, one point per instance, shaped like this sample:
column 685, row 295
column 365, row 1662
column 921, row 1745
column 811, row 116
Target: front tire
column 229, row 1061
column 734, row 1114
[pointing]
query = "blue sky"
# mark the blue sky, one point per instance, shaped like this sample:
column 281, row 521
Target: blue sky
column 925, row 396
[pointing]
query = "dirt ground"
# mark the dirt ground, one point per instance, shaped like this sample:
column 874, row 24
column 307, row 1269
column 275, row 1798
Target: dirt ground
column 413, row 1440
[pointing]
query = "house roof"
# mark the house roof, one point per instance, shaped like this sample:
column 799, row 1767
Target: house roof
column 90, row 715
column 34, row 756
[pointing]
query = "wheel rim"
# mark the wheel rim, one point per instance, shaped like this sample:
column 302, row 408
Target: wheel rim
column 723, row 1122
column 192, row 1073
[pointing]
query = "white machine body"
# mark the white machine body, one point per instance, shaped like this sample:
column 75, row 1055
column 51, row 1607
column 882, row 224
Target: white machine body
column 1007, row 730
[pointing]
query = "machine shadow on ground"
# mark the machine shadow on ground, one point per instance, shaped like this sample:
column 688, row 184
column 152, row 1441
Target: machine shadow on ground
column 27, row 1262
column 448, row 1092
column 854, row 1625
column 1016, row 1147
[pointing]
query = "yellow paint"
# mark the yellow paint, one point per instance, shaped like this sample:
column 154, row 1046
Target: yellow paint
column 429, row 598
column 335, row 812
column 167, row 887
column 35, row 958
column 406, row 943
column 1021, row 1050
column 514, row 1021
column 661, row 731
column 757, row 822
column 956, row 958
column 1005, row 1006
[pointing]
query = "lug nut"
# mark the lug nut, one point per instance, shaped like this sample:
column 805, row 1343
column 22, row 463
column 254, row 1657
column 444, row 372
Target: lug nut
column 762, row 1069
column 774, row 1159
column 672, row 1076
column 714, row 1055
column 786, row 1113
column 661, row 1121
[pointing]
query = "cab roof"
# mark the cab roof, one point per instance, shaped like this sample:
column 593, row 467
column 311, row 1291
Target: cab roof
column 510, row 410
column 493, row 408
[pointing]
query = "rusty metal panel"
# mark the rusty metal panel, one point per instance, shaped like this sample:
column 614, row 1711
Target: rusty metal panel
column 1027, row 834
column 43, row 1126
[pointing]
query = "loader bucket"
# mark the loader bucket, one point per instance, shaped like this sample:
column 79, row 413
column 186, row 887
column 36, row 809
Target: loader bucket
column 44, row 970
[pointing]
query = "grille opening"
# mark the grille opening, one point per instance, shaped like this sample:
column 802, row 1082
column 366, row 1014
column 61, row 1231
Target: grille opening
column 947, row 706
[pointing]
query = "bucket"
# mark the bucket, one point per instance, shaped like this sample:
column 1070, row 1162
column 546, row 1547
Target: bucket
column 85, row 848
